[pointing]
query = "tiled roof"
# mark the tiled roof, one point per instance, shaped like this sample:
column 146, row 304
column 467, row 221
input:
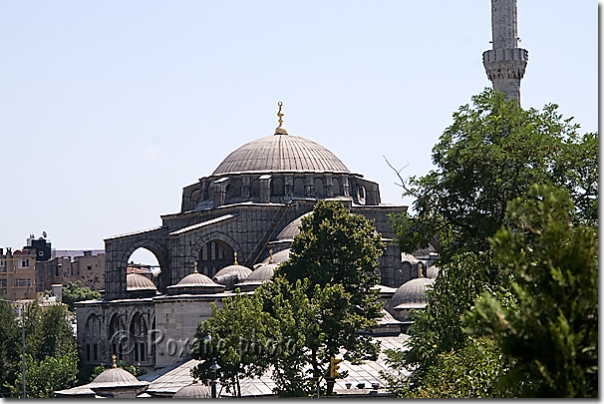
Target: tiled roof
column 281, row 153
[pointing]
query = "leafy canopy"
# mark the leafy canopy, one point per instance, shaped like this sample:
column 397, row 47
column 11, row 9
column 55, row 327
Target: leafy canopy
column 551, row 328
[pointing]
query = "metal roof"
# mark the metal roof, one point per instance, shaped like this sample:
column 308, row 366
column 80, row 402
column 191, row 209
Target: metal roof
column 281, row 153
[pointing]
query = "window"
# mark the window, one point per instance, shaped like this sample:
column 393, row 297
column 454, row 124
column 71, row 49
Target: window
column 24, row 263
column 89, row 267
column 3, row 283
column 22, row 282
column 40, row 253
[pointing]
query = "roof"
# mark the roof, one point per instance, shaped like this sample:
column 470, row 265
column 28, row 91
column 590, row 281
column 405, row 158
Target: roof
column 168, row 380
column 281, row 153
column 73, row 253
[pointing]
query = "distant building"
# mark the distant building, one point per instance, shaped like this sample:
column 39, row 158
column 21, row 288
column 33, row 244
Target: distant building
column 17, row 275
column 63, row 266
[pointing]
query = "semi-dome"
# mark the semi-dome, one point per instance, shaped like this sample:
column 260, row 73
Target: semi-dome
column 292, row 229
column 281, row 153
column 194, row 390
column 278, row 257
column 411, row 294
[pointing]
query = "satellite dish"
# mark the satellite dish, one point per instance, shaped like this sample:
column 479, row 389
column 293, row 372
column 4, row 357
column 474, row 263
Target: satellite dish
column 44, row 234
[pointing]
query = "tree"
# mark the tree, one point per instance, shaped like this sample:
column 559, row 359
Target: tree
column 337, row 252
column 492, row 154
column 73, row 293
column 317, row 303
column 470, row 372
column 50, row 352
column 551, row 327
column 10, row 346
column 44, row 377
column 236, row 336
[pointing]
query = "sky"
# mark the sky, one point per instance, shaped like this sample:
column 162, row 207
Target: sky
column 109, row 108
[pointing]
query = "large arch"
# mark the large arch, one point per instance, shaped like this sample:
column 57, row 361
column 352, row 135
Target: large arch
column 229, row 244
column 119, row 249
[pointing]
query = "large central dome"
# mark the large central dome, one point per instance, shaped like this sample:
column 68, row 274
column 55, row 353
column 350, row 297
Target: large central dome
column 281, row 153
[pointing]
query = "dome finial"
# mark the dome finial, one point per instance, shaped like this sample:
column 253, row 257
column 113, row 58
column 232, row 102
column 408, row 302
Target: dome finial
column 114, row 358
column 195, row 268
column 235, row 258
column 280, row 130
column 420, row 269
column 270, row 253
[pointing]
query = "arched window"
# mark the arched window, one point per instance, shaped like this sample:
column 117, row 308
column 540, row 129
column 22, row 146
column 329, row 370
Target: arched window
column 138, row 334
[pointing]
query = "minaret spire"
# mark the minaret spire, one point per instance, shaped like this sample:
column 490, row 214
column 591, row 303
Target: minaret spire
column 506, row 62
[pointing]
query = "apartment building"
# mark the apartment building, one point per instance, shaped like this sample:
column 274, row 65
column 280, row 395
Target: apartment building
column 17, row 274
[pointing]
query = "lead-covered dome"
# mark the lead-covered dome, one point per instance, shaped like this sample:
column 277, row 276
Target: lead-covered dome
column 281, row 153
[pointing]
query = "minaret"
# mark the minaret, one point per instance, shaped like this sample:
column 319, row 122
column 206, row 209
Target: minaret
column 506, row 62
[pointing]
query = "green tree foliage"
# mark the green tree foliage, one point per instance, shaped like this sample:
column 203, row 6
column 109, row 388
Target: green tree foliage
column 10, row 347
column 551, row 327
column 237, row 337
column 337, row 252
column 73, row 293
column 44, row 377
column 437, row 329
column 491, row 154
column 49, row 343
column 471, row 372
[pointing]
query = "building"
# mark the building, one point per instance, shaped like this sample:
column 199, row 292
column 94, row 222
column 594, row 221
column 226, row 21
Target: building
column 17, row 275
column 235, row 226
column 233, row 229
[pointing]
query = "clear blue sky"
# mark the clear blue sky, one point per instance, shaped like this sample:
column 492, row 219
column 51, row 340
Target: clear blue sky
column 109, row 108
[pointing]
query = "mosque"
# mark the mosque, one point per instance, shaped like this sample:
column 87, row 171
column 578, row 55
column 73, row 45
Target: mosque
column 234, row 228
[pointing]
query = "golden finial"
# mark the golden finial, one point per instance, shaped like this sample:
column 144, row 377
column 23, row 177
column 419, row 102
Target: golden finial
column 195, row 268
column 270, row 253
column 280, row 130
column 235, row 260
column 114, row 358
column 420, row 268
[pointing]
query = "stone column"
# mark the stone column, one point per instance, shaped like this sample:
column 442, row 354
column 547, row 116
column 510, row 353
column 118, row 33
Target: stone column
column 309, row 186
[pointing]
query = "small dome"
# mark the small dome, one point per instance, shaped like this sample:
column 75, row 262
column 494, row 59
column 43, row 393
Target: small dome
column 262, row 274
column 411, row 294
column 116, row 377
column 194, row 390
column 195, row 283
column 281, row 153
column 278, row 257
column 136, row 282
column 231, row 275
column 432, row 272
column 195, row 279
column 292, row 229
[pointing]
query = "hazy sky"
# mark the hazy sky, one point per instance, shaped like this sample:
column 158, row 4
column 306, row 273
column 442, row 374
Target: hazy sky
column 109, row 108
